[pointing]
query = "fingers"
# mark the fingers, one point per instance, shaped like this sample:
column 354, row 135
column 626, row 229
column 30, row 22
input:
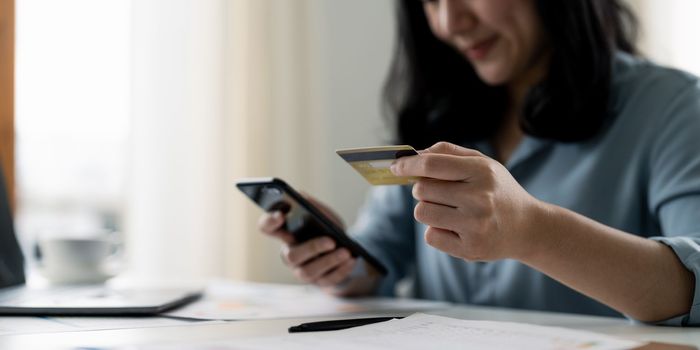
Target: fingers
column 328, row 269
column 441, row 192
column 437, row 215
column 444, row 240
column 451, row 148
column 302, row 253
column 318, row 267
column 318, row 261
column 314, row 261
column 444, row 161
column 349, row 286
column 338, row 275
column 272, row 223
column 441, row 166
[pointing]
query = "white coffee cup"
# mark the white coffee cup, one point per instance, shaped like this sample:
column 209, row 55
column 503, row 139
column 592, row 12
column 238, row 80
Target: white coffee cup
column 78, row 259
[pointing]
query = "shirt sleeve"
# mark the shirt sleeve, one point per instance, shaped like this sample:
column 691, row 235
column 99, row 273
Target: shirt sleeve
column 674, row 193
column 384, row 228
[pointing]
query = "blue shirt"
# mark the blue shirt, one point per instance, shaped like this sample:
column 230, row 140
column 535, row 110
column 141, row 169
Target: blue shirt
column 641, row 175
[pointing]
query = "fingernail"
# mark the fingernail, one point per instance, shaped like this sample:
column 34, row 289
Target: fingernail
column 393, row 168
column 329, row 244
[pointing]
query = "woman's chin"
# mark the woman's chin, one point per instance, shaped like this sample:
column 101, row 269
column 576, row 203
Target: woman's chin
column 493, row 80
column 491, row 75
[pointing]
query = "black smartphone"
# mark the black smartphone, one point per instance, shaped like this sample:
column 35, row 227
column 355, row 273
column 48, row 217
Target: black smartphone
column 303, row 220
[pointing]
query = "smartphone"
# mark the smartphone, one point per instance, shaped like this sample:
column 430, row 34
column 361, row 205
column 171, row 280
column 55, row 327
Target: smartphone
column 303, row 220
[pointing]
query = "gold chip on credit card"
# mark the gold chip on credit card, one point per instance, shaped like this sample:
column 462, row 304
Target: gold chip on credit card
column 373, row 163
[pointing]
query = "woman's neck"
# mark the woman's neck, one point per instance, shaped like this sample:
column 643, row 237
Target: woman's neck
column 510, row 134
column 507, row 137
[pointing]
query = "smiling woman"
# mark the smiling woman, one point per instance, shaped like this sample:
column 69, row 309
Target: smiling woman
column 510, row 33
column 558, row 173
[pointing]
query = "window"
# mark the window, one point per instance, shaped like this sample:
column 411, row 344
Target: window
column 669, row 30
column 72, row 114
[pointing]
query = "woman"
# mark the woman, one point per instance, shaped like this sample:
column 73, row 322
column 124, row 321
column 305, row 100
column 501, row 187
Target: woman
column 567, row 177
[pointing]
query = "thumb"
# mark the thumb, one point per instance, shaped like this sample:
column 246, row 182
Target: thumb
column 451, row 149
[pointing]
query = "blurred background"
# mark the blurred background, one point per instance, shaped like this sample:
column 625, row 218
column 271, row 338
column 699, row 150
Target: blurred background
column 138, row 116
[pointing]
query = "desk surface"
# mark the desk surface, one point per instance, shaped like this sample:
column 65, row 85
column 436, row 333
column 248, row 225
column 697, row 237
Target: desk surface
column 199, row 332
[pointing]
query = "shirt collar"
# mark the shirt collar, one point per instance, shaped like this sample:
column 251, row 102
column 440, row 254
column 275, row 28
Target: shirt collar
column 527, row 148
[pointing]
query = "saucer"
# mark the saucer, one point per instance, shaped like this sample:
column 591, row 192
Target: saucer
column 84, row 276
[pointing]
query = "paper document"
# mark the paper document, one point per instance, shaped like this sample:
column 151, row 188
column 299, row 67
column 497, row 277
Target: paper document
column 227, row 300
column 25, row 325
column 421, row 331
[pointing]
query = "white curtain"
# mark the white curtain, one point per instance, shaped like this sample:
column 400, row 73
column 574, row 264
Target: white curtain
column 220, row 91
column 269, row 122
column 224, row 89
column 174, row 215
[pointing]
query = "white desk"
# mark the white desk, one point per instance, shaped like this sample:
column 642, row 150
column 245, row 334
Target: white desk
column 194, row 333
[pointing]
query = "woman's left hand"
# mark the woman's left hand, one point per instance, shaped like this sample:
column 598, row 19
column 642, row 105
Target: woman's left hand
column 473, row 207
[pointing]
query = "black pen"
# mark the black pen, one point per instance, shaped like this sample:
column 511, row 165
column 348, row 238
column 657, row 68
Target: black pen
column 337, row 324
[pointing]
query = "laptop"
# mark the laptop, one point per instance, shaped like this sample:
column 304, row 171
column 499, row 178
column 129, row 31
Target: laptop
column 18, row 299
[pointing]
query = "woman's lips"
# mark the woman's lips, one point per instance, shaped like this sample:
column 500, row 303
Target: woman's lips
column 480, row 50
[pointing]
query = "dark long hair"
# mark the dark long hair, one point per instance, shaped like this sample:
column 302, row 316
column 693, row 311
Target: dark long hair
column 433, row 94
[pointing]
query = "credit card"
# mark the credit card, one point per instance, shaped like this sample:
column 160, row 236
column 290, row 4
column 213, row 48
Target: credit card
column 373, row 163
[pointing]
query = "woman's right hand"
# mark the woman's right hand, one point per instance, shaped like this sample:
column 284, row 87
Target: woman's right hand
column 319, row 260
